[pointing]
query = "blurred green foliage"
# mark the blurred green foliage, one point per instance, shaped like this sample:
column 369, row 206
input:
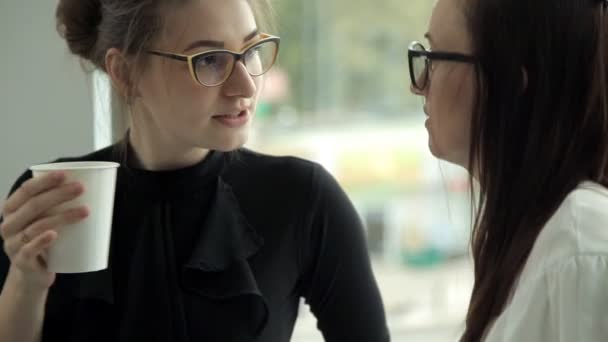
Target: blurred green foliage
column 350, row 57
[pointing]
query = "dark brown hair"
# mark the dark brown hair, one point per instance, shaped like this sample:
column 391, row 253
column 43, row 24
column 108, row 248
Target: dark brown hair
column 91, row 27
column 540, row 127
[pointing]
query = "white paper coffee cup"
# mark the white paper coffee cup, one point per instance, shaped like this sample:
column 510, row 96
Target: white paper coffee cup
column 84, row 246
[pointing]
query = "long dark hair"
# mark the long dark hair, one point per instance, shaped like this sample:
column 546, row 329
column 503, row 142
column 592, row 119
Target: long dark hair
column 540, row 127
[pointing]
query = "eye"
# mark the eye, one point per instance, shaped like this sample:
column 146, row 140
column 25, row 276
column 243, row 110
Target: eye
column 209, row 60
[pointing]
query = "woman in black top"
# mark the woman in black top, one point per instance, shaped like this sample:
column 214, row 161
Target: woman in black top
column 210, row 241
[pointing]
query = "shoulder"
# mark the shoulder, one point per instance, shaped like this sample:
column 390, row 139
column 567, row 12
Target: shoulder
column 579, row 228
column 285, row 185
column 583, row 218
column 254, row 160
column 104, row 154
column 589, row 209
column 275, row 172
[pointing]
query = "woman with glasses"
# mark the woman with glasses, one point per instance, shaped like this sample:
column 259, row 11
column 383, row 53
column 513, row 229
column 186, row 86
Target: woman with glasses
column 210, row 241
column 516, row 92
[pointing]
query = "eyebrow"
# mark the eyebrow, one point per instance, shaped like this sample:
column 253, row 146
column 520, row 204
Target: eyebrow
column 219, row 44
column 428, row 37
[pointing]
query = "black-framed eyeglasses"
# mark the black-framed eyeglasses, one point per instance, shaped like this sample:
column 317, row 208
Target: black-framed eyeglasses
column 420, row 62
column 214, row 67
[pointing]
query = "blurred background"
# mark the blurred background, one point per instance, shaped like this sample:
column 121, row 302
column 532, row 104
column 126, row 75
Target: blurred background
column 339, row 95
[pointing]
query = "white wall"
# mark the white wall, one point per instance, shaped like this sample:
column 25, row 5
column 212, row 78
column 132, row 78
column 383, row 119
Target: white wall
column 46, row 108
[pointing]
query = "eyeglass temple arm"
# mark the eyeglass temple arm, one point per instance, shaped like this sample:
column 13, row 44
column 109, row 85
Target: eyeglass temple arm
column 448, row 56
column 169, row 55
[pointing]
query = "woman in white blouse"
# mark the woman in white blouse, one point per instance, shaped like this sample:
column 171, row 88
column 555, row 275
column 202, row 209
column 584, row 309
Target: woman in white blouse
column 516, row 91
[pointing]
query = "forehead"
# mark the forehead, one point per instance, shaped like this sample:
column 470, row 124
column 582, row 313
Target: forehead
column 448, row 26
column 223, row 20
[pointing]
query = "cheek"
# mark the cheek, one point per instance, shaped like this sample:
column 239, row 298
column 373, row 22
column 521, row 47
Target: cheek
column 186, row 97
column 260, row 84
column 463, row 106
column 259, row 91
column 181, row 85
column 160, row 83
column 173, row 99
column 450, row 104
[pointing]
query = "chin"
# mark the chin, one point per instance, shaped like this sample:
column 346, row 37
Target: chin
column 433, row 147
column 437, row 153
column 232, row 143
column 452, row 158
column 227, row 149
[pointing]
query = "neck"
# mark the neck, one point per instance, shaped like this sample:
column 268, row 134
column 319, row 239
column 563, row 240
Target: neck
column 156, row 153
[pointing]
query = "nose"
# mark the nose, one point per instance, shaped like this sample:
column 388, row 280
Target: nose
column 240, row 83
column 417, row 91
column 413, row 89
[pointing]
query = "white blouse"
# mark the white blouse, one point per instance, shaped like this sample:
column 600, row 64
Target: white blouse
column 562, row 292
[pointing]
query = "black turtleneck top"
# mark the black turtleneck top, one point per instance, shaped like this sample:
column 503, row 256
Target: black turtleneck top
column 222, row 251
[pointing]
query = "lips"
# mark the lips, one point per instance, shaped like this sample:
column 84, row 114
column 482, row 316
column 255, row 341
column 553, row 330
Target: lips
column 231, row 114
column 233, row 111
column 233, row 120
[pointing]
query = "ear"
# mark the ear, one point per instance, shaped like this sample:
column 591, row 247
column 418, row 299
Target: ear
column 117, row 68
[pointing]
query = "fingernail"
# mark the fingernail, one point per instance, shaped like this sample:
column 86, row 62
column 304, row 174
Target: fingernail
column 76, row 188
column 83, row 212
column 50, row 236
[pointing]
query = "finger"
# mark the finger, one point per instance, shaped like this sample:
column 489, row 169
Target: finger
column 57, row 221
column 31, row 188
column 38, row 205
column 53, row 222
column 27, row 257
column 42, row 258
